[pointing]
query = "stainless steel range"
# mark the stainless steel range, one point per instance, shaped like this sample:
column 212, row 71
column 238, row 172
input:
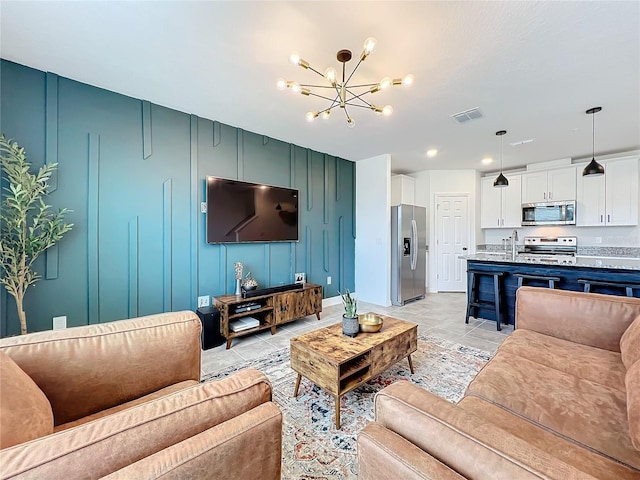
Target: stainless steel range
column 560, row 250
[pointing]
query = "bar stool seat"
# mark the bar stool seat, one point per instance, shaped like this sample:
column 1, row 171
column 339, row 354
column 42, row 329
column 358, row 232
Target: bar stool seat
column 627, row 287
column 473, row 301
column 525, row 276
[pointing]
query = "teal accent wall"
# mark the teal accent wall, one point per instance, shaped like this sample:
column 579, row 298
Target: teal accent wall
column 134, row 175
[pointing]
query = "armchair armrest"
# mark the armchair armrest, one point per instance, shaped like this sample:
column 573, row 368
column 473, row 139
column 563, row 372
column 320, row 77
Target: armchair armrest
column 84, row 370
column 385, row 454
column 100, row 447
column 587, row 318
column 462, row 441
column 247, row 446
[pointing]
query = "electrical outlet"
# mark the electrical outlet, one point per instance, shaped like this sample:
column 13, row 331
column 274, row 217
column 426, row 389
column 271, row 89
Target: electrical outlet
column 60, row 323
column 328, row 280
column 598, row 239
column 203, row 301
column 203, row 207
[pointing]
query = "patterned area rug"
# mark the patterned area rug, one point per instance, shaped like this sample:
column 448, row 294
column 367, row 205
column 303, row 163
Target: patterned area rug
column 312, row 447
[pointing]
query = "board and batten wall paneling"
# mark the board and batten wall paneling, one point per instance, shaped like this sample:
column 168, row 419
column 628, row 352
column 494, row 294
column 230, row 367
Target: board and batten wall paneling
column 133, row 174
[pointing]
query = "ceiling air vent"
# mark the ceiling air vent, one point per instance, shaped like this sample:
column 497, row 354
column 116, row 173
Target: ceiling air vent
column 467, row 115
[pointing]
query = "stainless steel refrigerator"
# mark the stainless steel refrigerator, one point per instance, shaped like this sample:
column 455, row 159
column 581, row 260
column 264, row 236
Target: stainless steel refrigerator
column 408, row 253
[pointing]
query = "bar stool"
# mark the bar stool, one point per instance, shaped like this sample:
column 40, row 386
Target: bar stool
column 627, row 287
column 524, row 276
column 473, row 300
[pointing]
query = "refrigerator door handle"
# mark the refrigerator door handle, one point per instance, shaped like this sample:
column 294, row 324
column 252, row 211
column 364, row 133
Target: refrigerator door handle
column 414, row 241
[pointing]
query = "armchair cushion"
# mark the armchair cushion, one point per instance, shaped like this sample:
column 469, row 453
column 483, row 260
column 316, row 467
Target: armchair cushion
column 25, row 412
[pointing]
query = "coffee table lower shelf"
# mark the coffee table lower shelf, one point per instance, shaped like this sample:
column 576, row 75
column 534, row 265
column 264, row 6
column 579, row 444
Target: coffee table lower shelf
column 339, row 363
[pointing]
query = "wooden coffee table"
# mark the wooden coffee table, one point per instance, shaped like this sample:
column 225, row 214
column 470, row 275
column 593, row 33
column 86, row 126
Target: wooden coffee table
column 339, row 363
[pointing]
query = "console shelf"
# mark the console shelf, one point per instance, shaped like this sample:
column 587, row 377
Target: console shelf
column 275, row 309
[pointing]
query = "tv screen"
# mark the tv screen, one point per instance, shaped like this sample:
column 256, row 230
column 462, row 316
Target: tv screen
column 250, row 212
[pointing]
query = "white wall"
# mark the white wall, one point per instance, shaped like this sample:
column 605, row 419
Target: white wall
column 373, row 230
column 434, row 182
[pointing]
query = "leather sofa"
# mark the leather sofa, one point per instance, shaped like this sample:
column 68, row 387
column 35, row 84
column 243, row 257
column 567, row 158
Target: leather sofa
column 123, row 400
column 559, row 400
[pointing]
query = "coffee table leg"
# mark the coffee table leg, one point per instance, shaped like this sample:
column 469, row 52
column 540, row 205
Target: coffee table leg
column 410, row 363
column 337, row 401
column 295, row 390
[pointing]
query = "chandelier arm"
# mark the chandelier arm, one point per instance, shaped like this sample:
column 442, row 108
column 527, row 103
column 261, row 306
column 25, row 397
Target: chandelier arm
column 321, row 96
column 352, row 72
column 316, row 71
column 363, row 85
column 359, row 106
column 358, row 97
column 316, row 86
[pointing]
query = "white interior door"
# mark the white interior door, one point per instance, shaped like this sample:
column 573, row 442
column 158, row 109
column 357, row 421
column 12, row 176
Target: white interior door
column 452, row 240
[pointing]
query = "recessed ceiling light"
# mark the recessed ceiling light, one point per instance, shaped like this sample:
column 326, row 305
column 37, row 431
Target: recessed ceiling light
column 487, row 160
column 432, row 152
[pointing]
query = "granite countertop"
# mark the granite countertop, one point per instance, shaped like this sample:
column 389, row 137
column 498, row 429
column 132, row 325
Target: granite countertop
column 622, row 263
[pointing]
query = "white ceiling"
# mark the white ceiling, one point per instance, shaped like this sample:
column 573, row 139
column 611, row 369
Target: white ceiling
column 533, row 68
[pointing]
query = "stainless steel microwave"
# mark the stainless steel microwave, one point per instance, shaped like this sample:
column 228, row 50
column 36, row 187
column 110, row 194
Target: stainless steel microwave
column 549, row 213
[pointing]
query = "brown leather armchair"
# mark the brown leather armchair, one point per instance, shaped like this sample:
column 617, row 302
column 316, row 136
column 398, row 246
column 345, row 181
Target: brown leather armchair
column 123, row 400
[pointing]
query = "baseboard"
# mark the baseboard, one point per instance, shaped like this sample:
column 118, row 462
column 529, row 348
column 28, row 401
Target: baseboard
column 337, row 300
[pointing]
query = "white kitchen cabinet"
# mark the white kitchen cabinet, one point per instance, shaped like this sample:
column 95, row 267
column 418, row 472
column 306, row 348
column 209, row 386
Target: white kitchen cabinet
column 610, row 199
column 500, row 207
column 403, row 190
column 549, row 185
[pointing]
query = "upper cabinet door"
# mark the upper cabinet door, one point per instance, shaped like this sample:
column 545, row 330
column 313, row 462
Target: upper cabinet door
column 512, row 202
column 561, row 184
column 621, row 191
column 590, row 198
column 490, row 204
column 534, row 187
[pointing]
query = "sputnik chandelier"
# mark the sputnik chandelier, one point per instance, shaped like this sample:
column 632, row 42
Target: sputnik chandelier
column 346, row 94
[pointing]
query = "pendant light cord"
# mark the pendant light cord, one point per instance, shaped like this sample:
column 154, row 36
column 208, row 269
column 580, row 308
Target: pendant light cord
column 501, row 141
column 593, row 135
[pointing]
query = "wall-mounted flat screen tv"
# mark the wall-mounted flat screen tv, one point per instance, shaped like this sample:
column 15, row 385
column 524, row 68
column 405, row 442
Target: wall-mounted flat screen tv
column 250, row 212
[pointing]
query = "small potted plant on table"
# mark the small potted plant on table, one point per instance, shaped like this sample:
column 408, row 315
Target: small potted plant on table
column 350, row 318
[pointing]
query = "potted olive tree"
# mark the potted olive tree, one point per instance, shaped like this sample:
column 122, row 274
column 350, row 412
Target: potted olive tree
column 28, row 226
column 350, row 318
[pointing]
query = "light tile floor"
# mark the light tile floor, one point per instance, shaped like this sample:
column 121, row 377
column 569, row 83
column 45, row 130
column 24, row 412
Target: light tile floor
column 439, row 314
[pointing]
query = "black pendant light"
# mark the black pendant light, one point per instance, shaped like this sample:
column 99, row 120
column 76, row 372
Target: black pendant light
column 594, row 168
column 501, row 180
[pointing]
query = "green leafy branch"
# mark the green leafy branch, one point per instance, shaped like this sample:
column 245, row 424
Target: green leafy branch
column 28, row 226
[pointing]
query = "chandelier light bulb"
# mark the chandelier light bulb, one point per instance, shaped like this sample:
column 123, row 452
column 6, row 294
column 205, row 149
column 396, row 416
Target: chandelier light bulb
column 387, row 110
column 326, row 114
column 311, row 116
column 330, row 74
column 408, row 79
column 294, row 58
column 281, row 84
column 385, row 82
column 295, row 87
column 369, row 45
column 351, row 122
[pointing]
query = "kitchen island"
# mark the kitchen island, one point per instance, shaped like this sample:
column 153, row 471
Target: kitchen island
column 594, row 268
